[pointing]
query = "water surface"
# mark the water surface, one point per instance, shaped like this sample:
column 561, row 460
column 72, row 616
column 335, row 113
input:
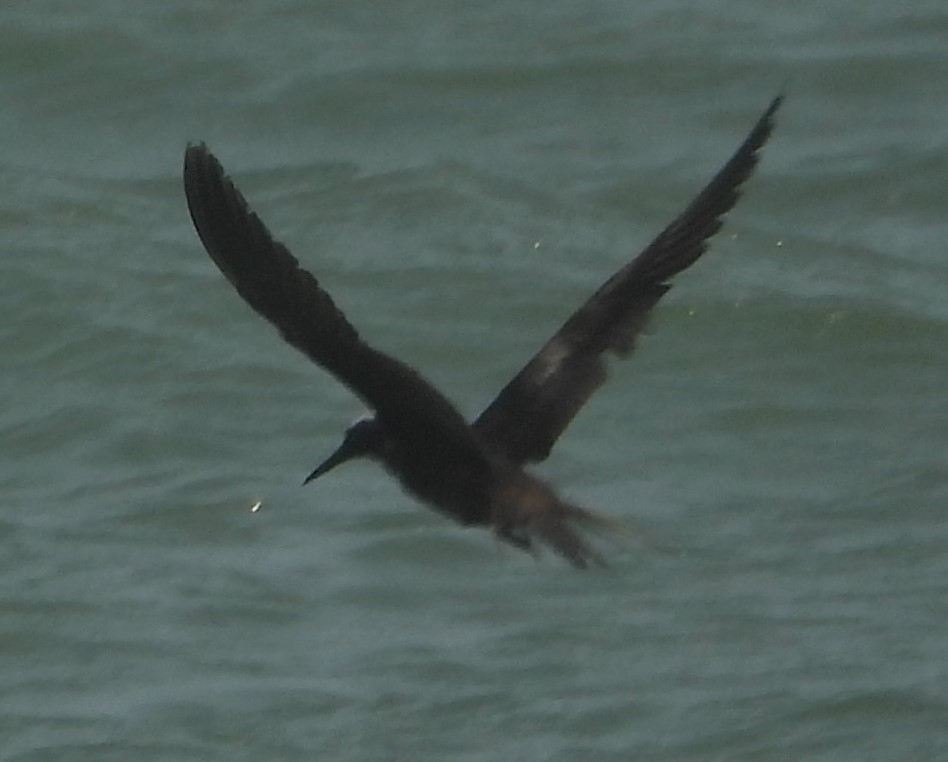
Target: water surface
column 460, row 178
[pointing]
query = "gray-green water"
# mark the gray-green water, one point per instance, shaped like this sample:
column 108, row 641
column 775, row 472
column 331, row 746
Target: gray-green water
column 460, row 176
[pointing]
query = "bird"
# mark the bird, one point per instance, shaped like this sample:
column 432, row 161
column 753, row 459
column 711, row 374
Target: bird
column 472, row 472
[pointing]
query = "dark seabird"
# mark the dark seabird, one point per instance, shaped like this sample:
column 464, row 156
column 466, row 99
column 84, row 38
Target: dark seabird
column 473, row 473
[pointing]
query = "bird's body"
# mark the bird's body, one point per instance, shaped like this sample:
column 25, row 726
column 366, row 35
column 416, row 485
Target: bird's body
column 473, row 473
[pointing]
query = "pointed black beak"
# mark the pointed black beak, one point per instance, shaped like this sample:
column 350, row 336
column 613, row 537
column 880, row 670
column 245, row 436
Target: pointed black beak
column 341, row 455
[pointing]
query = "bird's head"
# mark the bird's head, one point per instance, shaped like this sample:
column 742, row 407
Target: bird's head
column 364, row 437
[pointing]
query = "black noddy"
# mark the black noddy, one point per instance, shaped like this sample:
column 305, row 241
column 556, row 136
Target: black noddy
column 472, row 472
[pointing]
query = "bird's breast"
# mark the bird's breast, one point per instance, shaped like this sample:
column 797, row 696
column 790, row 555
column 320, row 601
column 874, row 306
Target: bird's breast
column 458, row 487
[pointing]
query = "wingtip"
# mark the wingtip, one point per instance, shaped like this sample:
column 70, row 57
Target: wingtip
column 767, row 120
column 197, row 152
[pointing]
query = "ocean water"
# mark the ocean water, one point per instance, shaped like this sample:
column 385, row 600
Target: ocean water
column 460, row 177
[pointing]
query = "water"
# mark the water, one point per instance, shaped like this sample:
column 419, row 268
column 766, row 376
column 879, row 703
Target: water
column 460, row 177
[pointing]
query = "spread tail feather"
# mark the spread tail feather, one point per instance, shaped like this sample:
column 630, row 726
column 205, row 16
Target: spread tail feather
column 559, row 533
column 558, row 528
column 563, row 530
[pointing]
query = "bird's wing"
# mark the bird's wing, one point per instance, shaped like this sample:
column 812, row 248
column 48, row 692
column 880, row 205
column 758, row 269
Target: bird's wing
column 271, row 281
column 528, row 416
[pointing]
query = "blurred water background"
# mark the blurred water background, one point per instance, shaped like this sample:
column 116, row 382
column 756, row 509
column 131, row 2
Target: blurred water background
column 460, row 176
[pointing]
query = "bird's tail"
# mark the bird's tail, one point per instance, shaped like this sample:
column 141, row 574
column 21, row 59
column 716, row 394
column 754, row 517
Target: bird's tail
column 560, row 532
column 564, row 529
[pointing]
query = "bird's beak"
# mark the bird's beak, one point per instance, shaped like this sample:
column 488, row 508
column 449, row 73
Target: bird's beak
column 340, row 456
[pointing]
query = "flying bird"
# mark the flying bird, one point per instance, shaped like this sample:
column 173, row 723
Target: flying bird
column 472, row 472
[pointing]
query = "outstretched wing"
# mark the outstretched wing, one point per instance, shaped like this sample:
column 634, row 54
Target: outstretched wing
column 271, row 281
column 530, row 413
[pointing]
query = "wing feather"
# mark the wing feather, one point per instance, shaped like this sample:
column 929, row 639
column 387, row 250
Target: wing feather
column 535, row 407
column 271, row 281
